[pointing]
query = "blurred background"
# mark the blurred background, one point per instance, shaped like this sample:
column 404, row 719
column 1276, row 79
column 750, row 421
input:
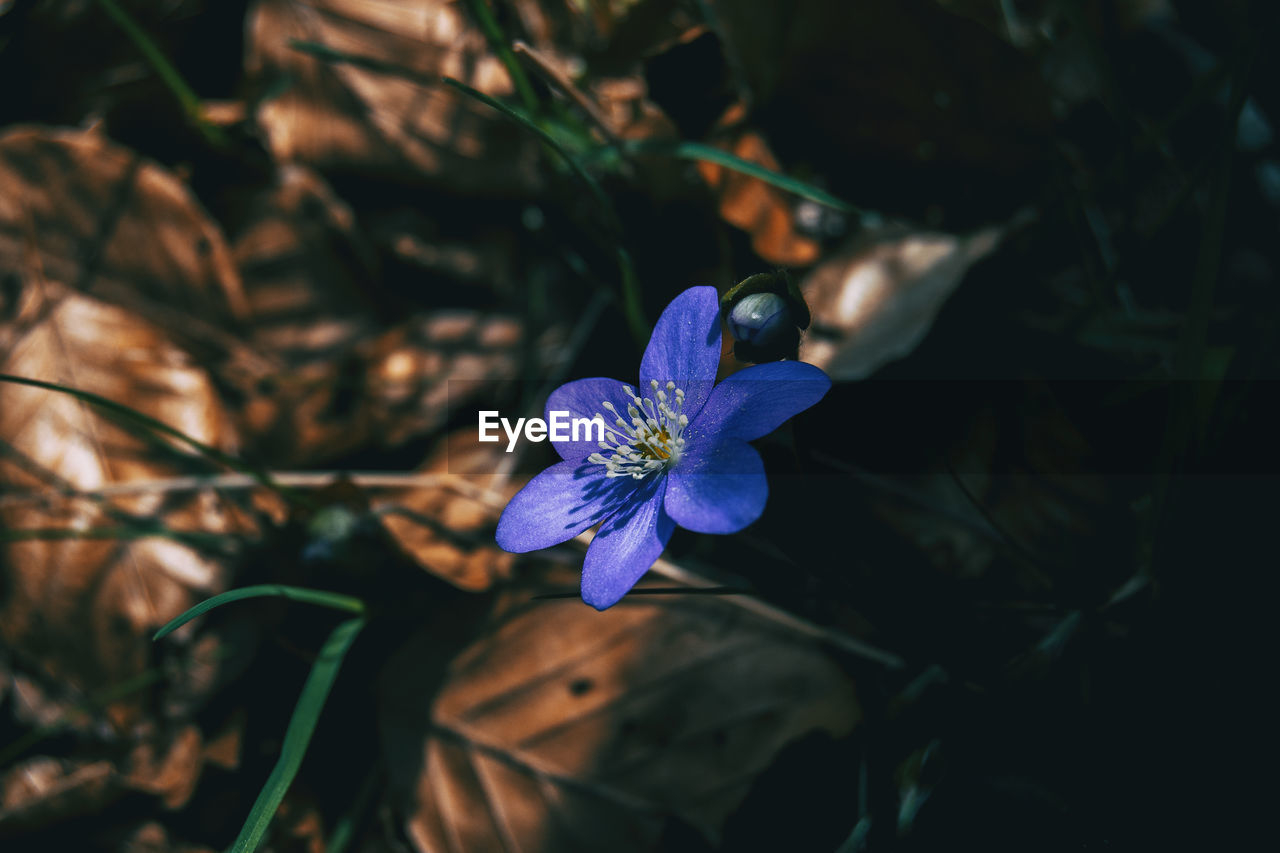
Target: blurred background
column 985, row 606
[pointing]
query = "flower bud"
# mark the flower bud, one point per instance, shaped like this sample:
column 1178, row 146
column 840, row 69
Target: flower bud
column 765, row 314
column 760, row 318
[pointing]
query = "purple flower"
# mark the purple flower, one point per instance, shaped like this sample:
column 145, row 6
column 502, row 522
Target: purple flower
column 675, row 452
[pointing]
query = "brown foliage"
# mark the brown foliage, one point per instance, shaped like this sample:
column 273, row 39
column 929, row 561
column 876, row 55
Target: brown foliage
column 565, row 727
column 345, row 114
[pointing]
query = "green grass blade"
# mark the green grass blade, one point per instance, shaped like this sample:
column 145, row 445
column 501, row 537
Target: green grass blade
column 344, row 830
column 592, row 185
column 169, row 75
column 296, row 738
column 294, row 593
column 631, row 305
column 697, row 151
column 162, row 428
column 333, row 56
column 501, row 46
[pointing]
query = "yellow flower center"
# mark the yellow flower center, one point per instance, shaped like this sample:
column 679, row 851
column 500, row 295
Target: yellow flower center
column 651, row 440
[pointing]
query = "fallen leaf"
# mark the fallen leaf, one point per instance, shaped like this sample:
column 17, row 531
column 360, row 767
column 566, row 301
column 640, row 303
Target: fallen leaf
column 386, row 390
column 100, row 219
column 487, row 261
column 764, row 212
column 336, row 113
column 79, row 612
column 42, row 790
column 564, row 728
column 875, row 300
column 427, row 368
column 169, row 774
column 447, row 530
column 306, row 269
column 224, row 747
column 152, row 837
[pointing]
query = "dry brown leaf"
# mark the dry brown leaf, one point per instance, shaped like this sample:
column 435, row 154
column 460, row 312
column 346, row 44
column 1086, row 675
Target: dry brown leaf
column 152, row 837
column 305, row 267
column 223, row 748
column 340, row 114
column 764, row 212
column 81, row 211
column 423, row 370
column 566, row 728
column 80, row 612
column 333, row 382
column 42, row 790
column 874, row 301
column 304, row 264
column 401, row 385
column 170, row 775
column 447, row 531
column 301, row 822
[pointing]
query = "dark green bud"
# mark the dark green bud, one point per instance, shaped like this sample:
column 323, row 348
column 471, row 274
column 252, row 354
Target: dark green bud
column 765, row 314
column 760, row 318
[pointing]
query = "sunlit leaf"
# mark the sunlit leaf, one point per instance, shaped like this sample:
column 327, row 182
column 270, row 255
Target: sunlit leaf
column 562, row 727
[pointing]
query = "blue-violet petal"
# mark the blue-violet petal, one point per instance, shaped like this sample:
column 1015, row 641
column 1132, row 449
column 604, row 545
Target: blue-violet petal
column 756, row 401
column 719, row 487
column 685, row 347
column 626, row 546
column 560, row 503
column 581, row 399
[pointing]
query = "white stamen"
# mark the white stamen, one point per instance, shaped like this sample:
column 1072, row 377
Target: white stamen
column 652, row 441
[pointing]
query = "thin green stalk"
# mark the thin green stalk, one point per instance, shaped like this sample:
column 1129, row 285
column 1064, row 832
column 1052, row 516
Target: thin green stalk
column 632, row 308
column 335, row 600
column 631, row 305
column 146, row 421
column 298, row 735
column 345, row 829
column 169, row 75
column 1194, row 390
column 685, row 150
column 591, row 183
column 332, row 55
column 500, row 45
column 61, row 487
column 48, row 534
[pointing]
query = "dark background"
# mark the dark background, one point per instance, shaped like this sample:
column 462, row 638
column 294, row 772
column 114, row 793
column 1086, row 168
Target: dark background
column 1055, row 509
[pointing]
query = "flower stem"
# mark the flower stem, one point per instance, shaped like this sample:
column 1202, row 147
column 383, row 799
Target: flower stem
column 187, row 98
